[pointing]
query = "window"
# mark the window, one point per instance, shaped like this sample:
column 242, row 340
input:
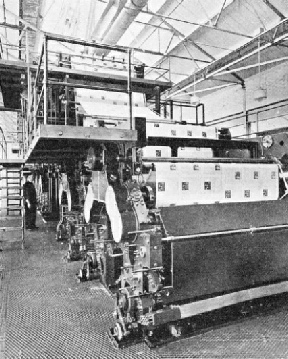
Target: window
column 228, row 194
column 207, row 186
column 185, row 186
column 247, row 193
column 238, row 175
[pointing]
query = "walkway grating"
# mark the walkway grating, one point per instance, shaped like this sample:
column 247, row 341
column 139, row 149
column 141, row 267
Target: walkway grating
column 45, row 313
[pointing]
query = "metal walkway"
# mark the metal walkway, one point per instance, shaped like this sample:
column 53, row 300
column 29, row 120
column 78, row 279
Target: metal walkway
column 45, row 313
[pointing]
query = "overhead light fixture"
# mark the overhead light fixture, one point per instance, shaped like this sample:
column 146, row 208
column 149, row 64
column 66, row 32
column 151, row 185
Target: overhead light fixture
column 260, row 94
column 194, row 100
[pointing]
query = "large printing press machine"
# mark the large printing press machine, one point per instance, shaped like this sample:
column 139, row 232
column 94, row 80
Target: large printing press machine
column 187, row 222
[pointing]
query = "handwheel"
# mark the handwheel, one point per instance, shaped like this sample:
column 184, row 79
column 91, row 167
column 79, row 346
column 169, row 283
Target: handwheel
column 118, row 331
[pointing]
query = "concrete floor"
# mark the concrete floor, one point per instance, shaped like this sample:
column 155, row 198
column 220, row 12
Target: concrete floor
column 45, row 313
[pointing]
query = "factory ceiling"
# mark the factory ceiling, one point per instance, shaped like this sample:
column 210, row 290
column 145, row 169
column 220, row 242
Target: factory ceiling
column 198, row 45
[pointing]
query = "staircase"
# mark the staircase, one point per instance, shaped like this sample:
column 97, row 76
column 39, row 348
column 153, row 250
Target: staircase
column 11, row 199
column 14, row 191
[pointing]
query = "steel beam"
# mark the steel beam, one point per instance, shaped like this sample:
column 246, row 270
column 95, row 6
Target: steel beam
column 74, row 41
column 10, row 26
column 234, row 57
column 3, row 108
column 186, row 39
column 85, row 78
column 264, row 63
column 213, row 88
column 122, row 49
column 220, row 13
column 274, row 9
column 197, row 24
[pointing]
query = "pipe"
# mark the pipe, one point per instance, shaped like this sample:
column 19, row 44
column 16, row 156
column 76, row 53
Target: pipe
column 124, row 19
column 217, row 160
column 216, row 234
column 109, row 15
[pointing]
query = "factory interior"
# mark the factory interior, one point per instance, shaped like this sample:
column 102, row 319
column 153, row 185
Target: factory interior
column 143, row 179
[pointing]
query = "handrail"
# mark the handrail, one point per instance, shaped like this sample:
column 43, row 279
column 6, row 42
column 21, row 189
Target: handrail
column 4, row 149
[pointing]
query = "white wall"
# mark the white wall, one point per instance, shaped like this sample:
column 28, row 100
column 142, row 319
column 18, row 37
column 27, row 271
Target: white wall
column 8, row 123
column 229, row 101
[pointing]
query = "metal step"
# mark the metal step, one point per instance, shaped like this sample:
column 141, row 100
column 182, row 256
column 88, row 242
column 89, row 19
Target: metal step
column 10, row 187
column 12, row 198
column 10, row 229
column 11, row 209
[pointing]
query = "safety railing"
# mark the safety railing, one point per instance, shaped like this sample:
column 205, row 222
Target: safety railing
column 3, row 144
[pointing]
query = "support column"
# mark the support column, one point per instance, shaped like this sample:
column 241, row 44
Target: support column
column 129, row 91
column 157, row 100
column 165, row 110
column 245, row 112
column 45, row 81
column 66, row 103
column 171, row 109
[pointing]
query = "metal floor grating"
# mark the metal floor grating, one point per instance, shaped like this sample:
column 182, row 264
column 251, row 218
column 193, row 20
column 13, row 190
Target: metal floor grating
column 45, row 314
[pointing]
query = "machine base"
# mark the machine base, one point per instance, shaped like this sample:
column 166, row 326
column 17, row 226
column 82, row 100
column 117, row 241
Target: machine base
column 214, row 320
column 129, row 340
column 199, row 324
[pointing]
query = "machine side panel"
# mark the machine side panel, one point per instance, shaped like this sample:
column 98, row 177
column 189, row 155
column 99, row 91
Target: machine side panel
column 204, row 183
column 206, row 218
column 212, row 266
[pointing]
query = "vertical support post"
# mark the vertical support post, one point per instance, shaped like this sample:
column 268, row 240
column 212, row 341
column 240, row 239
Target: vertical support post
column 157, row 100
column 23, row 124
column 35, row 103
column 245, row 112
column 28, row 69
column 171, row 109
column 203, row 114
column 66, row 101
column 22, row 209
column 169, row 64
column 165, row 109
column 29, row 87
column 57, row 189
column 45, row 80
column 129, row 90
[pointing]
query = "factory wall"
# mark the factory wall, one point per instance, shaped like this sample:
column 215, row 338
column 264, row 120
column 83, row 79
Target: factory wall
column 229, row 101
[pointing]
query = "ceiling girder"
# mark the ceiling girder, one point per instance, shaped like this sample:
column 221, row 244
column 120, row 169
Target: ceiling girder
column 238, row 78
column 234, row 57
column 10, row 26
column 197, row 24
column 274, row 9
column 186, row 39
column 219, row 14
column 264, row 63
column 226, row 80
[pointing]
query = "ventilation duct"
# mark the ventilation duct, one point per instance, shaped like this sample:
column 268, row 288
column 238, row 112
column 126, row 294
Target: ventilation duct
column 120, row 24
column 107, row 18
